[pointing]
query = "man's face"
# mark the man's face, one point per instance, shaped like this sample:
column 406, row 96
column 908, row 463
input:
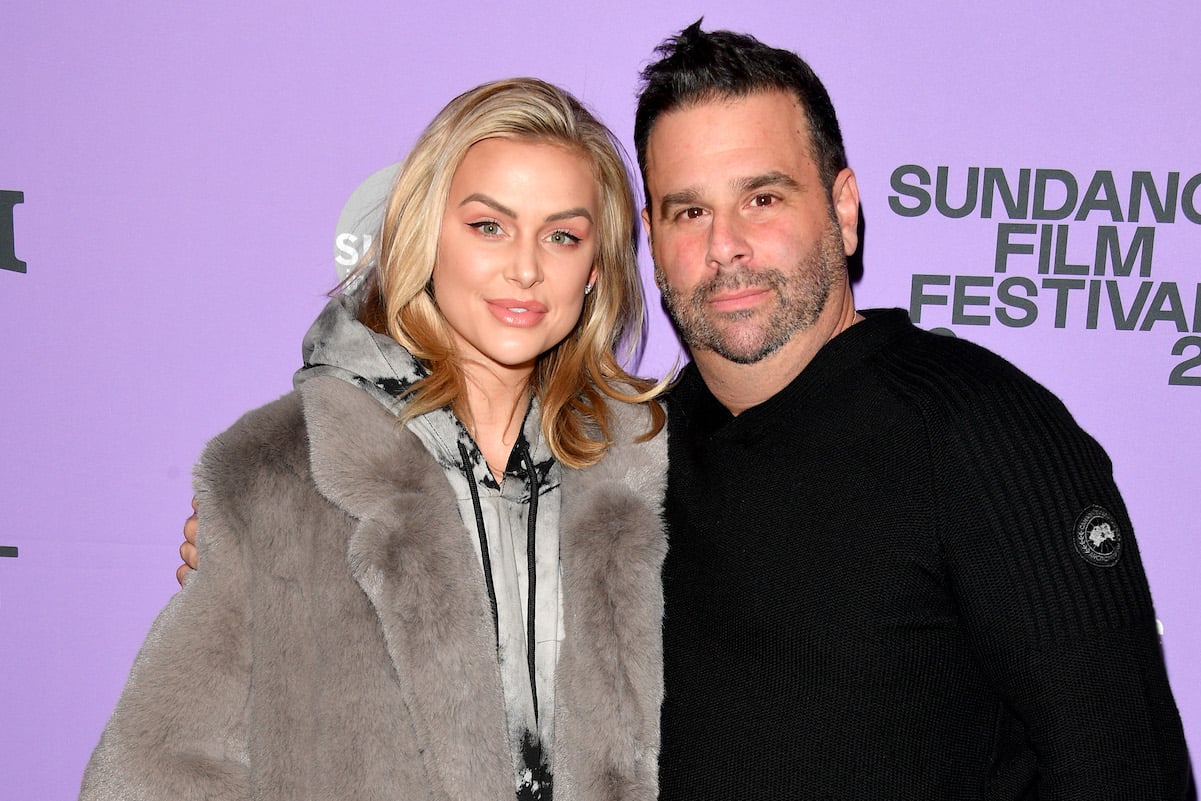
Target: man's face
column 746, row 239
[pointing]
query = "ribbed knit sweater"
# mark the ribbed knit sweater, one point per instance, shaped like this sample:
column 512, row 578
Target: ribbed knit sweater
column 907, row 576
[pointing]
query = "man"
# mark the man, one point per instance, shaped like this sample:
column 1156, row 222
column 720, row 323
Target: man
column 897, row 568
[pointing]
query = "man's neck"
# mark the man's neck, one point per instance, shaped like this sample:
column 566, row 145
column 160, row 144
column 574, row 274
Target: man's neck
column 739, row 387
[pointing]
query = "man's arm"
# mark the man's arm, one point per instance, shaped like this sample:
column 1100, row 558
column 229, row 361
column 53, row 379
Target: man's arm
column 1048, row 578
column 187, row 549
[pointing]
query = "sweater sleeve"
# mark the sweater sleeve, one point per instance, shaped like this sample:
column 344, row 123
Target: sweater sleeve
column 1047, row 577
column 179, row 728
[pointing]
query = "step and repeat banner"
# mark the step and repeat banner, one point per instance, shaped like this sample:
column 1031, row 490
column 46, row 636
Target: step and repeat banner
column 180, row 186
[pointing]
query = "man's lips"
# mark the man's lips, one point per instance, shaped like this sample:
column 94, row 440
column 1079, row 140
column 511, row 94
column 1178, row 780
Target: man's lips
column 737, row 300
column 519, row 313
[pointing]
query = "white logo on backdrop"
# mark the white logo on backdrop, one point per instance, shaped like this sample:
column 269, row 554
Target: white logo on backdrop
column 360, row 219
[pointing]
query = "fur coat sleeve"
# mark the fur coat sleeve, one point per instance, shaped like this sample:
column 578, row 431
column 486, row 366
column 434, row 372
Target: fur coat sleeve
column 338, row 642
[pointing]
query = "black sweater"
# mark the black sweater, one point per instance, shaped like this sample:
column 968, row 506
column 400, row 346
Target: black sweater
column 875, row 589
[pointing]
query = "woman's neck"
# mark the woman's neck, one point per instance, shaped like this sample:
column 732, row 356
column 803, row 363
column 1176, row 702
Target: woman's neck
column 497, row 406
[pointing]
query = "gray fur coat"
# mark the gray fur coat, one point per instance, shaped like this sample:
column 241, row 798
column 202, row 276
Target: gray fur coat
column 338, row 642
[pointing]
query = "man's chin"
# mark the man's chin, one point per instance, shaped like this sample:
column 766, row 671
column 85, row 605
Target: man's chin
column 744, row 351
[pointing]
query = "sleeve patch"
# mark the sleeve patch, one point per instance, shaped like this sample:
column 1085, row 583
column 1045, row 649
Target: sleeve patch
column 1098, row 537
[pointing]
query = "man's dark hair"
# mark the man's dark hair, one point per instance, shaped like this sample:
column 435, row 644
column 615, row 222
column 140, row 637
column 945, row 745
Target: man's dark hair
column 696, row 67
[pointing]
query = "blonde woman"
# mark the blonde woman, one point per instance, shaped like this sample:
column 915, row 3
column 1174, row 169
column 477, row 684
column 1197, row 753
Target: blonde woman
column 432, row 571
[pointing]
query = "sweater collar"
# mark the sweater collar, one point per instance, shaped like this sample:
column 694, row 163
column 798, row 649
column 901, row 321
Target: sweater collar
column 692, row 400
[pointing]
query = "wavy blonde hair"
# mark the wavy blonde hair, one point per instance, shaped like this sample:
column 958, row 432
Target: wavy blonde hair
column 572, row 379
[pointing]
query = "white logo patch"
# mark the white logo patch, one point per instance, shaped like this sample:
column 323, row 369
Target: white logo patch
column 1098, row 537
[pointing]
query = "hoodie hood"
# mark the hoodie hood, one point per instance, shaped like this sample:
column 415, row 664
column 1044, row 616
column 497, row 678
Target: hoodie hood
column 338, row 345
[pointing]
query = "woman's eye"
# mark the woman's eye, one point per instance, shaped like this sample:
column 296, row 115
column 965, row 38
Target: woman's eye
column 563, row 238
column 487, row 227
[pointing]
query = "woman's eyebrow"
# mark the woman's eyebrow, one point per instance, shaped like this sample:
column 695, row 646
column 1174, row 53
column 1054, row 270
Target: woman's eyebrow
column 490, row 202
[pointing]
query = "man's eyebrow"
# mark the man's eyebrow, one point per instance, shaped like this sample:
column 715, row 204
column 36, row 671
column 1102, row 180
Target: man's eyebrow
column 491, row 203
column 773, row 178
column 684, row 197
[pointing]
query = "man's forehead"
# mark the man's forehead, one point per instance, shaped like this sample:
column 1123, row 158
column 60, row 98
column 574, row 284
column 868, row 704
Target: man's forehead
column 688, row 144
column 734, row 105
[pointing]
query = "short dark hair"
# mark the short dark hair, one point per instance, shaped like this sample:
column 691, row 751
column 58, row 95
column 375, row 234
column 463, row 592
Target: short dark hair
column 696, row 67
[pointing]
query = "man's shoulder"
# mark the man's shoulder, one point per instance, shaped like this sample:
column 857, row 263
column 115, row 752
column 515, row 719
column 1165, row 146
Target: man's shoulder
column 919, row 355
column 949, row 375
column 687, row 387
column 941, row 349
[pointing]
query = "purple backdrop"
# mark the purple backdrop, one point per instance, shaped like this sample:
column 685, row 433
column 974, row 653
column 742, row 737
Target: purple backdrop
column 180, row 172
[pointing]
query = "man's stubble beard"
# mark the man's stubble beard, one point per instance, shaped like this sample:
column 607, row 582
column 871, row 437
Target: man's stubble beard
column 800, row 298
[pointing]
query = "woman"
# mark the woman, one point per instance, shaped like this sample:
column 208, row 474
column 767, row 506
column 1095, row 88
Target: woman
column 432, row 571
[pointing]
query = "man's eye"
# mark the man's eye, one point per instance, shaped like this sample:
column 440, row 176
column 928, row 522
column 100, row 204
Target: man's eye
column 692, row 213
column 763, row 200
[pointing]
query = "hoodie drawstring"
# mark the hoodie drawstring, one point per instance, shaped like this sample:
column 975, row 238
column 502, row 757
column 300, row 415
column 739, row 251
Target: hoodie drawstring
column 531, row 531
column 483, row 535
column 533, row 484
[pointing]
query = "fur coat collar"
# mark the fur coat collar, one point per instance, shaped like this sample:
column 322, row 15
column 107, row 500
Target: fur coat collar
column 608, row 680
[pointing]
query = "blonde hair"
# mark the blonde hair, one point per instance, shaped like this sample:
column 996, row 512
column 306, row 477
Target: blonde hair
column 570, row 379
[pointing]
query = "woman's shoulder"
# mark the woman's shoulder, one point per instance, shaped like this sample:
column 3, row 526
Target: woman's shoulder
column 269, row 439
column 629, row 421
column 633, row 457
column 263, row 430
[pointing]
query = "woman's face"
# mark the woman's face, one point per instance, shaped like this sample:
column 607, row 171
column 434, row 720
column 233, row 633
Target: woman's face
column 518, row 244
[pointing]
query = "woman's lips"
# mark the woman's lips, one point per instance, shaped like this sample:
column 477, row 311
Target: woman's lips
column 519, row 313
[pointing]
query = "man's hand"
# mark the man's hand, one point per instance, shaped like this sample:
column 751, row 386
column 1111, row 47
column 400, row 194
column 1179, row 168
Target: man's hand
column 187, row 548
